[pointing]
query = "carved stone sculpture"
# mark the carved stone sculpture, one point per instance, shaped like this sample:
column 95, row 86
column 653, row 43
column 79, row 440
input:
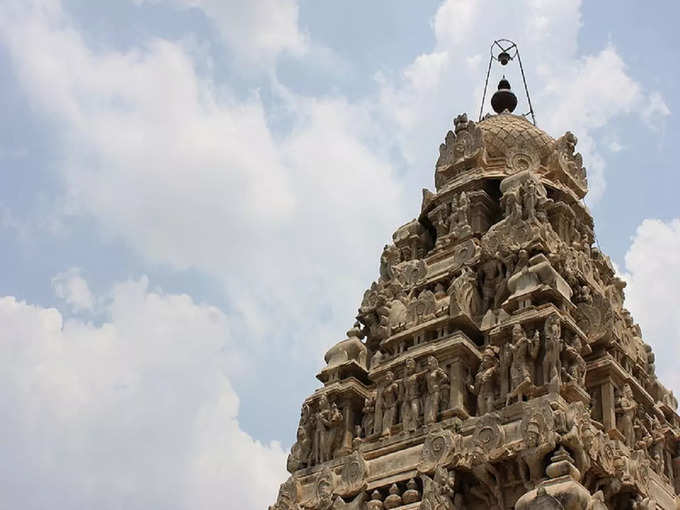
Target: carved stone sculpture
column 552, row 368
column 505, row 371
column 464, row 294
column 390, row 395
column 439, row 492
column 524, row 352
column 626, row 410
column 484, row 385
column 410, row 396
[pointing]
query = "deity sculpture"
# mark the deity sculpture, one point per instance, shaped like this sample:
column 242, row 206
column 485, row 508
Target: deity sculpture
column 410, row 397
column 368, row 416
column 491, row 277
column 390, row 396
column 530, row 199
column 513, row 208
column 626, row 409
column 322, row 421
column 575, row 366
column 434, row 377
column 464, row 294
column 524, row 353
column 552, row 369
column 484, row 385
column 531, row 458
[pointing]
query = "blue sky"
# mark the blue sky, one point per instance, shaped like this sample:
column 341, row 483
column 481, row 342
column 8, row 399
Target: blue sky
column 196, row 193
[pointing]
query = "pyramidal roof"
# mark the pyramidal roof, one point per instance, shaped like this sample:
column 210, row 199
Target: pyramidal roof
column 493, row 364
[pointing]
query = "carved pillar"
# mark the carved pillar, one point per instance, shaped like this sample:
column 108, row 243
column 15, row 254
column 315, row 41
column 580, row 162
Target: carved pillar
column 458, row 392
column 377, row 421
column 348, row 428
column 608, row 406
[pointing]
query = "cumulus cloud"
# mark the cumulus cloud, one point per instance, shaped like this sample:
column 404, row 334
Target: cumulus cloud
column 653, row 278
column 190, row 176
column 73, row 288
column 136, row 412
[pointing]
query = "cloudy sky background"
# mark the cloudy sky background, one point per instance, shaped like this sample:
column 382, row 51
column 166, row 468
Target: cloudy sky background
column 195, row 194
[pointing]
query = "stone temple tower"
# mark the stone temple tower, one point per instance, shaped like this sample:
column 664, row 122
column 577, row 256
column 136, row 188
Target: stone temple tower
column 492, row 365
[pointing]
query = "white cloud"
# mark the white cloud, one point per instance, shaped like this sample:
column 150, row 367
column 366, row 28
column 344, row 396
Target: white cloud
column 73, row 288
column 653, row 277
column 569, row 91
column 192, row 177
column 137, row 412
column 655, row 111
column 256, row 31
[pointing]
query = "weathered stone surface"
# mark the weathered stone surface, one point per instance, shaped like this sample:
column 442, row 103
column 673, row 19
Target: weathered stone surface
column 493, row 365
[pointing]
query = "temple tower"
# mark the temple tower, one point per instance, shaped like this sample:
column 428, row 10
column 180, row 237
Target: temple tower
column 492, row 365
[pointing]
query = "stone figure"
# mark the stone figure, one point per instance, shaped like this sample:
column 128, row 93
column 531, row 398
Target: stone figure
column 513, row 208
column 323, row 425
column 441, row 221
column 531, row 458
column 491, row 276
column 625, row 410
column 368, row 416
column 301, row 452
column 390, row 257
column 552, row 368
column 410, row 397
column 529, row 198
column 484, row 385
column 434, row 378
column 574, row 366
column 390, row 395
column 459, row 224
column 524, row 353
column 464, row 294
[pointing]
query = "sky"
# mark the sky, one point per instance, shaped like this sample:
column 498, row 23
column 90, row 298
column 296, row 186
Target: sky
column 195, row 194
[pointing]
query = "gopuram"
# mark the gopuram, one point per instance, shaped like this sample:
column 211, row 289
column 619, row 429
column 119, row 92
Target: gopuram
column 492, row 365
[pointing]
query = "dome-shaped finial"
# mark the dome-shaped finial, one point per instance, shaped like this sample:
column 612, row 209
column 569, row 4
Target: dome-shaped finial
column 504, row 98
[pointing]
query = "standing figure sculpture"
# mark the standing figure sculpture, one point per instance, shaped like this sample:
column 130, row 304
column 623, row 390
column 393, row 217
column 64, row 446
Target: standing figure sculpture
column 410, row 397
column 434, row 377
column 390, row 396
column 483, row 386
column 334, row 432
column 524, row 353
column 552, row 369
column 530, row 199
column 626, row 410
column 368, row 416
column 323, row 426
